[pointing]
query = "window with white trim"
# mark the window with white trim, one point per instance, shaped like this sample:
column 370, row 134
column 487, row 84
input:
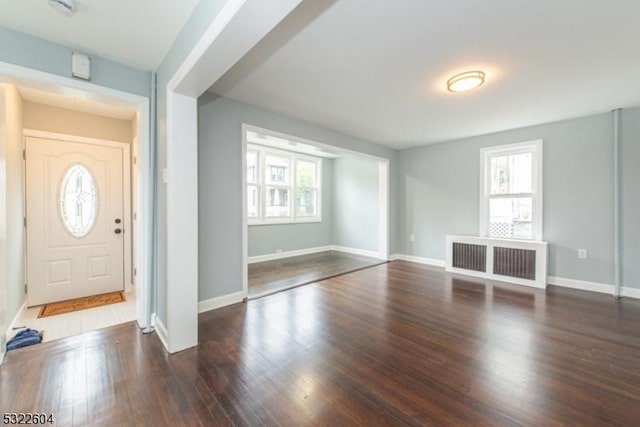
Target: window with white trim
column 282, row 187
column 511, row 191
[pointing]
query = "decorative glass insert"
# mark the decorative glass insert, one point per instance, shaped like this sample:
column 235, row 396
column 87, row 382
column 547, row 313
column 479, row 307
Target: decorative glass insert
column 78, row 200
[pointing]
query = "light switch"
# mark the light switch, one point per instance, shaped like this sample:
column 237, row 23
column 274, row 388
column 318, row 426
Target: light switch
column 582, row 253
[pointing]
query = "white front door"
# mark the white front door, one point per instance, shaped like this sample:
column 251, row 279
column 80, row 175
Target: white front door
column 75, row 223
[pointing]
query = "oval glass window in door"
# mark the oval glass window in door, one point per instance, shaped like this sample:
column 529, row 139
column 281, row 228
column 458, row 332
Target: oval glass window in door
column 78, row 200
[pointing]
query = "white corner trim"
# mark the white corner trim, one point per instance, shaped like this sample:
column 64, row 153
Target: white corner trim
column 287, row 254
column 630, row 292
column 394, row 257
column 355, row 251
column 219, row 302
column 161, row 331
column 420, row 260
column 580, row 284
column 222, row 19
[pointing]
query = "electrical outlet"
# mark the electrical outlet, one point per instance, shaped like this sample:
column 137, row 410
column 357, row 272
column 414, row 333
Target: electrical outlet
column 412, row 237
column 582, row 254
column 278, row 251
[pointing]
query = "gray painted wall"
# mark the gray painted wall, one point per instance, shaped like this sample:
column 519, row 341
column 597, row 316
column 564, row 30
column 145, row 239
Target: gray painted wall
column 438, row 190
column 267, row 239
column 31, row 52
column 630, row 174
column 220, row 179
column 355, row 207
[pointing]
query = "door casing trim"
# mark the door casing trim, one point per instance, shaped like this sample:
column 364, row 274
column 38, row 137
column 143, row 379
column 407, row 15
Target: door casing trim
column 126, row 182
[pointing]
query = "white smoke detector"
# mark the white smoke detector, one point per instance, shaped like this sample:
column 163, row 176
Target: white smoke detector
column 68, row 7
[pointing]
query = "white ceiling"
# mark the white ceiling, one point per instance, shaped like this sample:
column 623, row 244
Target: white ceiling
column 79, row 101
column 377, row 69
column 138, row 33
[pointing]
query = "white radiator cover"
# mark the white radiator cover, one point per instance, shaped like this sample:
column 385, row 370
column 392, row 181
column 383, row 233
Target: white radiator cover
column 490, row 243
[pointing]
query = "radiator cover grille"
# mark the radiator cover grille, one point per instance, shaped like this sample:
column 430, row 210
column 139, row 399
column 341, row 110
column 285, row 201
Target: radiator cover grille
column 523, row 262
column 514, row 262
column 470, row 257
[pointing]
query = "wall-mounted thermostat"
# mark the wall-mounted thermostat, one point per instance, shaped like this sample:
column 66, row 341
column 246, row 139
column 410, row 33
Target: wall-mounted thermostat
column 80, row 66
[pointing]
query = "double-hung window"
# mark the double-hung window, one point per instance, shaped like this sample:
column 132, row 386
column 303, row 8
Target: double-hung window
column 282, row 186
column 277, row 186
column 253, row 185
column 511, row 191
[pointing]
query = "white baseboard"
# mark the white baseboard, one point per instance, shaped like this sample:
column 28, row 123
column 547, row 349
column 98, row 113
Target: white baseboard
column 585, row 285
column 631, row 292
column 218, row 302
column 363, row 252
column 161, row 331
column 287, row 254
column 419, row 260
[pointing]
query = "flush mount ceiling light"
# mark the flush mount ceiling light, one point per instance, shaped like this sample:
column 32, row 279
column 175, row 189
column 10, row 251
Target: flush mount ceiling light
column 68, row 7
column 465, row 81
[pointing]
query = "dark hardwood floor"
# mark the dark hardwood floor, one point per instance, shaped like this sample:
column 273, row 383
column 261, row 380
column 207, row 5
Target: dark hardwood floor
column 396, row 344
column 266, row 278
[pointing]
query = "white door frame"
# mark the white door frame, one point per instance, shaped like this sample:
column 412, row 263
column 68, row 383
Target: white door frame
column 383, row 194
column 22, row 76
column 129, row 232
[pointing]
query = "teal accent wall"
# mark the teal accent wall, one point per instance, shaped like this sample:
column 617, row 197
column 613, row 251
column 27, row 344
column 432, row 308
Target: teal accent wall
column 39, row 54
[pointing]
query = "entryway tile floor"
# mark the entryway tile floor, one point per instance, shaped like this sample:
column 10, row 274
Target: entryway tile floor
column 81, row 321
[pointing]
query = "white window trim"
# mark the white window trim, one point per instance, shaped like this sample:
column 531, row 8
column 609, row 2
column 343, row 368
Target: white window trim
column 534, row 147
column 262, row 185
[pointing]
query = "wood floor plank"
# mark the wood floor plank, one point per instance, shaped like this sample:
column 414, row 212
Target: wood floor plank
column 268, row 277
column 396, row 344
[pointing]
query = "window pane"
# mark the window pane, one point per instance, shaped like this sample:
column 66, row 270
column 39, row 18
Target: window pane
column 511, row 174
column 252, row 201
column 277, row 170
column 277, row 203
column 511, row 217
column 252, row 167
column 306, row 175
column 306, row 202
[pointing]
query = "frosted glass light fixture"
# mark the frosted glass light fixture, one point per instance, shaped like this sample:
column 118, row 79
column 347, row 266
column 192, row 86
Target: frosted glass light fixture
column 66, row 7
column 465, row 81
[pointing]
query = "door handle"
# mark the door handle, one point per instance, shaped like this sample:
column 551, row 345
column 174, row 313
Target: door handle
column 117, row 231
